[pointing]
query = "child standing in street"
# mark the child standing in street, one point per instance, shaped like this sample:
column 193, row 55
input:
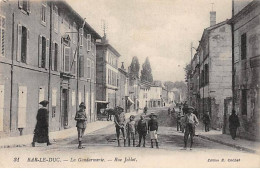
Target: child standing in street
column 153, row 128
column 142, row 130
column 131, row 130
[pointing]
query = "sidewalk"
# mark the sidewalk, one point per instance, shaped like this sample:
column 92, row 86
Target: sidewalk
column 26, row 140
column 217, row 136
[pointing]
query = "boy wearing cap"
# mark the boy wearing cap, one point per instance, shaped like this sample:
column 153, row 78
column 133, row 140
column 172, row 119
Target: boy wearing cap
column 81, row 119
column 153, row 128
column 120, row 124
column 191, row 121
column 142, row 130
column 131, row 130
column 41, row 131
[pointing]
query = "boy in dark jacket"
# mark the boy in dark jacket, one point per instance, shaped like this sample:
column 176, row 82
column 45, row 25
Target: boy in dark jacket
column 153, row 128
column 142, row 130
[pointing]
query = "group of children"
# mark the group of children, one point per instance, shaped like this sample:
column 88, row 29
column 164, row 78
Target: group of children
column 142, row 128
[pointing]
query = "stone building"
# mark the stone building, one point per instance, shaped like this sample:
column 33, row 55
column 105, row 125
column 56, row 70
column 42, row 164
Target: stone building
column 107, row 73
column 211, row 72
column 45, row 54
column 123, row 88
column 246, row 67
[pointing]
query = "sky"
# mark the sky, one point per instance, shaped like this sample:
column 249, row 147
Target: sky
column 159, row 29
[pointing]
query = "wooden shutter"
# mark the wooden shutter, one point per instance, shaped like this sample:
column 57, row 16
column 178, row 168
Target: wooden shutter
column 20, row 4
column 67, row 59
column 92, row 103
column 79, row 98
column 19, row 39
column 81, row 37
column 52, row 55
column 47, row 53
column 87, row 102
column 81, row 66
column 40, row 51
column 73, row 98
column 54, row 97
column 2, row 93
column 28, row 6
column 27, row 45
column 22, row 104
column 88, row 42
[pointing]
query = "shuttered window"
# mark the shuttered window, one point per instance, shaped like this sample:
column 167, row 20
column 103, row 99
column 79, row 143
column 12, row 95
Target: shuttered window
column 22, row 43
column 81, row 66
column 79, row 98
column 2, row 35
column 43, row 14
column 67, row 59
column 92, row 103
column 54, row 58
column 88, row 68
column 73, row 98
column 56, row 19
column 22, row 106
column 54, row 97
column 43, row 49
column 88, row 42
column 92, row 70
column 24, row 5
column 243, row 46
column 87, row 102
column 2, row 93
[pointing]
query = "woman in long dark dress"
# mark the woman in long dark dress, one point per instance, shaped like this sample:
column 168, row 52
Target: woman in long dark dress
column 41, row 131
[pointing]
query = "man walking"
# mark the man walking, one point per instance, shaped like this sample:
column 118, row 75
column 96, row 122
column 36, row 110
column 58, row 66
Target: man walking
column 206, row 121
column 233, row 124
column 191, row 121
column 120, row 122
column 81, row 125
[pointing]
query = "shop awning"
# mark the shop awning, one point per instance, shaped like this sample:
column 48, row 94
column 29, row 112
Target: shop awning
column 130, row 100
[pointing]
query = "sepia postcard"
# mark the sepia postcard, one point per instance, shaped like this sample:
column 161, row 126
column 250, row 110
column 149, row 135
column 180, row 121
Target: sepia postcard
column 129, row 84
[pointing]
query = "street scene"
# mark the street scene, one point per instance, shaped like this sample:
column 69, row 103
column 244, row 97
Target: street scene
column 146, row 84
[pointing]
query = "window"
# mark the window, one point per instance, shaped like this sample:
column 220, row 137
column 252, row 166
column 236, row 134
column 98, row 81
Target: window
column 202, row 78
column 88, row 42
column 74, row 62
column 2, row 36
column 22, row 104
column 88, row 68
column 55, row 52
column 25, row 6
column 81, row 66
column 66, row 59
column 244, row 102
column 74, row 35
column 81, row 37
column 43, row 14
column 92, row 70
column 243, row 46
column 206, row 74
column 56, row 19
column 73, row 97
column 43, row 52
column 23, row 36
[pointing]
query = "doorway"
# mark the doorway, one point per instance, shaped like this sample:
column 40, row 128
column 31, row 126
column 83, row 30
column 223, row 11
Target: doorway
column 64, row 105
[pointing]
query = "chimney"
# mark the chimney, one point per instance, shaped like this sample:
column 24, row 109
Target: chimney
column 212, row 18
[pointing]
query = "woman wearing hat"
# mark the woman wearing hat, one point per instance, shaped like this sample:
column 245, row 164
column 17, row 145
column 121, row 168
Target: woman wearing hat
column 41, row 131
column 81, row 119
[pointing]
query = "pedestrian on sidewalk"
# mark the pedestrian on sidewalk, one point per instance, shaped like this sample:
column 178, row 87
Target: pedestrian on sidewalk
column 153, row 129
column 169, row 111
column 206, row 121
column 145, row 110
column 233, row 124
column 41, row 131
column 191, row 121
column 120, row 120
column 178, row 120
column 81, row 125
column 131, row 130
column 173, row 111
column 142, row 130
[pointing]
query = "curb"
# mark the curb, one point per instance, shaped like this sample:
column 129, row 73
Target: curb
column 228, row 144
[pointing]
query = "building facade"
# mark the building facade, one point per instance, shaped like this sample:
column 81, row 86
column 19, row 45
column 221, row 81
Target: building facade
column 246, row 63
column 107, row 73
column 45, row 54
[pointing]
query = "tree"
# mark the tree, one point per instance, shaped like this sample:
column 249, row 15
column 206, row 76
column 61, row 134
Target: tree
column 146, row 73
column 134, row 69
